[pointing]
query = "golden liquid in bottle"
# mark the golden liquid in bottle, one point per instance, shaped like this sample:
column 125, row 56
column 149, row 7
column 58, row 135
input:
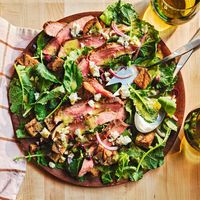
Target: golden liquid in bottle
column 175, row 11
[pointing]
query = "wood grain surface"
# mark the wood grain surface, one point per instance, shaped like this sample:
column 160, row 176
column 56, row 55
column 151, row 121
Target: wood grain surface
column 177, row 179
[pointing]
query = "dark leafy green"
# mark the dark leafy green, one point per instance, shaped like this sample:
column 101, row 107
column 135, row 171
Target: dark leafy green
column 129, row 108
column 120, row 12
column 38, row 155
column 167, row 80
column 46, row 74
column 106, row 174
column 15, row 96
column 42, row 40
column 40, row 111
column 21, row 133
column 55, row 93
column 26, row 86
column 147, row 54
column 72, row 77
column 75, row 165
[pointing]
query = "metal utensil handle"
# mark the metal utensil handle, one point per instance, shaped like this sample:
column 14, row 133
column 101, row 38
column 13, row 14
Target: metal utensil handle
column 181, row 51
column 184, row 58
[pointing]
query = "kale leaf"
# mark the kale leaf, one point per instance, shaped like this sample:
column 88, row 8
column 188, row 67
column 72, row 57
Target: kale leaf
column 167, row 80
column 15, row 96
column 55, row 93
column 40, row 111
column 46, row 74
column 74, row 166
column 26, row 86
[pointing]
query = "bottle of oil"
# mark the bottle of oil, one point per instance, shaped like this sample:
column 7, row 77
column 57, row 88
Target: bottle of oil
column 175, row 11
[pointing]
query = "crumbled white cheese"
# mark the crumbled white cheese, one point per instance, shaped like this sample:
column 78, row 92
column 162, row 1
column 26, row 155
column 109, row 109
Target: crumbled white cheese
column 73, row 97
column 52, row 164
column 70, row 158
column 45, row 133
column 91, row 103
column 97, row 97
column 75, row 30
column 107, row 76
column 105, row 35
column 66, row 152
column 124, row 40
column 94, row 70
column 36, row 95
column 114, row 135
column 123, row 140
column 124, row 92
column 135, row 40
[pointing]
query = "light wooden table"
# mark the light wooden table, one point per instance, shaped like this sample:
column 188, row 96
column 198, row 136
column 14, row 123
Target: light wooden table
column 177, row 179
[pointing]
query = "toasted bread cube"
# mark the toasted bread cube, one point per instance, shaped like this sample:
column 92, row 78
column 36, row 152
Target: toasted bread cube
column 32, row 148
column 27, row 60
column 94, row 172
column 55, row 157
column 56, row 64
column 54, row 148
column 145, row 140
column 143, row 78
column 50, row 123
column 33, row 127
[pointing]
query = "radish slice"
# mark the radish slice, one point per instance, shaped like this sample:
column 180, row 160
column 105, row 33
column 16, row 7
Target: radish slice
column 113, row 148
column 117, row 31
column 117, row 76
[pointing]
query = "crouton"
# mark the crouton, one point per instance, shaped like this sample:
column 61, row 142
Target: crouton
column 56, row 64
column 54, row 148
column 50, row 123
column 32, row 148
column 55, row 156
column 94, row 172
column 145, row 140
column 27, row 60
column 33, row 127
column 143, row 78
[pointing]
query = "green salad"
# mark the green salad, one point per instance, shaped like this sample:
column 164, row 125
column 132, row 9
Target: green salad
column 74, row 121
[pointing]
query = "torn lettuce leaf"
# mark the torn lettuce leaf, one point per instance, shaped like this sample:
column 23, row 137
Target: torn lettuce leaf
column 26, row 86
column 148, row 108
column 168, row 104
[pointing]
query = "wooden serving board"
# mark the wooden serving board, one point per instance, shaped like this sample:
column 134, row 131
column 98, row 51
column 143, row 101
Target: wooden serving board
column 93, row 181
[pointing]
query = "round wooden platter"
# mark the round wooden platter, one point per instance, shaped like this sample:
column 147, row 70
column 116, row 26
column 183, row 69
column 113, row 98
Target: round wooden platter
column 94, row 181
